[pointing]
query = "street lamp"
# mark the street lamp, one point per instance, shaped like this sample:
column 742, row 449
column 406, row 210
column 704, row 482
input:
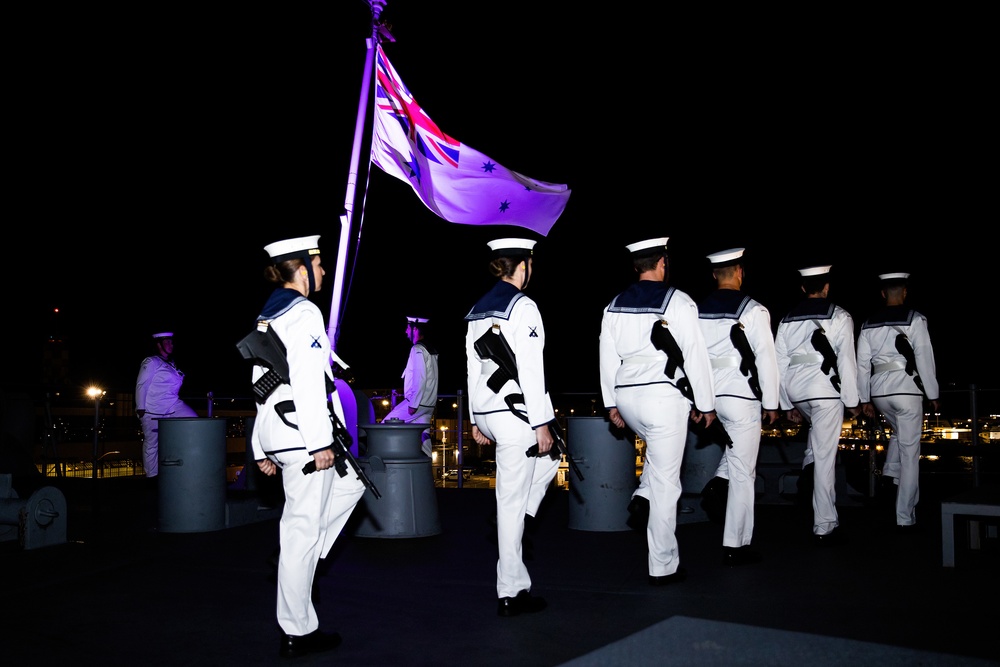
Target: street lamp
column 95, row 393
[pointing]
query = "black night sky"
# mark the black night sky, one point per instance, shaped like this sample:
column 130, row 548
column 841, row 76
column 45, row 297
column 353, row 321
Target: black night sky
column 154, row 155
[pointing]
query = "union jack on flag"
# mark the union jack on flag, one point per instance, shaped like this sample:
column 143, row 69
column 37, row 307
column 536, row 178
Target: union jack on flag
column 455, row 181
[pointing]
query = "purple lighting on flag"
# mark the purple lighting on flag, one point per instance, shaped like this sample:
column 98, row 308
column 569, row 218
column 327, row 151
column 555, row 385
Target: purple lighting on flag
column 455, row 181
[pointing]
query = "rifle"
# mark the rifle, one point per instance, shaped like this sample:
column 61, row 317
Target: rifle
column 557, row 451
column 904, row 348
column 342, row 456
column 663, row 340
column 748, row 363
column 822, row 345
column 264, row 347
column 716, row 432
column 492, row 345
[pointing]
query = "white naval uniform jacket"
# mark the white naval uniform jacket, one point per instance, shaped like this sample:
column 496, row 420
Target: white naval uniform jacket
column 882, row 368
column 628, row 357
column 420, row 378
column 298, row 322
column 158, row 386
column 521, row 325
column 718, row 313
column 800, row 364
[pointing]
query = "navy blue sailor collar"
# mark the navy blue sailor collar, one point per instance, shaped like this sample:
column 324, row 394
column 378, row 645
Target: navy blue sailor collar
column 643, row 296
column 498, row 302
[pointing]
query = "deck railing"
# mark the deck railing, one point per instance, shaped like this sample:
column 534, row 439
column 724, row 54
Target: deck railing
column 102, row 438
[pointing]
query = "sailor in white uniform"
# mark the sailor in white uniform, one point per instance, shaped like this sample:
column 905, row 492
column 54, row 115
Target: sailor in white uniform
column 655, row 374
column 513, row 413
column 740, row 342
column 896, row 372
column 293, row 428
column 818, row 375
column 420, row 382
column 157, row 397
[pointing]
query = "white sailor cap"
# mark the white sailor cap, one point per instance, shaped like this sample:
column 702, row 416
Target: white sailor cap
column 726, row 257
column 512, row 247
column 893, row 279
column 303, row 247
column 163, row 334
column 815, row 271
column 648, row 247
column 416, row 320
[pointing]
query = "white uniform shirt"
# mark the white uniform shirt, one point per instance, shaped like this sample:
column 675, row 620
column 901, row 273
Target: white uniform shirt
column 882, row 368
column 158, row 386
column 420, row 377
column 627, row 355
column 800, row 364
column 299, row 324
column 521, row 325
column 718, row 313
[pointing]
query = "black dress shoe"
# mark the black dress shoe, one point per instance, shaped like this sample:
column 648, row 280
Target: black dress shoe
column 733, row 556
column 832, row 539
column 293, row 646
column 638, row 513
column 523, row 603
column 667, row 579
column 909, row 529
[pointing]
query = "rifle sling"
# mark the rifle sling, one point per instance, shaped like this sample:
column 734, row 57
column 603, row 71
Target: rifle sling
column 283, row 408
column 510, row 400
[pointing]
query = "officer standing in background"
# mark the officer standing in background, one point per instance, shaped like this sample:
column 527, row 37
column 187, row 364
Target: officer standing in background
column 655, row 374
column 513, row 409
column 420, row 382
column 818, row 379
column 896, row 372
column 737, row 331
column 157, row 396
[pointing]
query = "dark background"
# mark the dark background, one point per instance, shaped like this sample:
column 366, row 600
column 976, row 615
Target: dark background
column 154, row 153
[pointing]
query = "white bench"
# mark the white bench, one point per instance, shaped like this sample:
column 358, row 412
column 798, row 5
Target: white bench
column 982, row 501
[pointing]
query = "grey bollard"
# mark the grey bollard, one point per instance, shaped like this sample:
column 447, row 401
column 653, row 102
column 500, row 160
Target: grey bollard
column 192, row 485
column 403, row 476
column 39, row 521
column 606, row 457
column 250, row 469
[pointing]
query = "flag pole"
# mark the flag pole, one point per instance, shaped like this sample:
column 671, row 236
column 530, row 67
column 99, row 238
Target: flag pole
column 346, row 219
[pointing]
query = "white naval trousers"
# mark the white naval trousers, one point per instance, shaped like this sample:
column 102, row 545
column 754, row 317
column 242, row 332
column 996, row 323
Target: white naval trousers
column 151, row 435
column 522, row 482
column 659, row 415
column 742, row 420
column 317, row 507
column 905, row 415
column 826, row 419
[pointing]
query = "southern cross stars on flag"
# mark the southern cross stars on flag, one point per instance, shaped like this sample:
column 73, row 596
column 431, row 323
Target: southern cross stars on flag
column 455, row 181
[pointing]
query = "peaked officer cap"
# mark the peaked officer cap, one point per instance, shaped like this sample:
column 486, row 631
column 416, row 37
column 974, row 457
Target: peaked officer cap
column 164, row 334
column 303, row 247
column 512, row 247
column 726, row 257
column 417, row 320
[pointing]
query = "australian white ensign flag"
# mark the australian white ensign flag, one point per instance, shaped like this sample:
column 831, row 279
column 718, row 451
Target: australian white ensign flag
column 456, row 182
